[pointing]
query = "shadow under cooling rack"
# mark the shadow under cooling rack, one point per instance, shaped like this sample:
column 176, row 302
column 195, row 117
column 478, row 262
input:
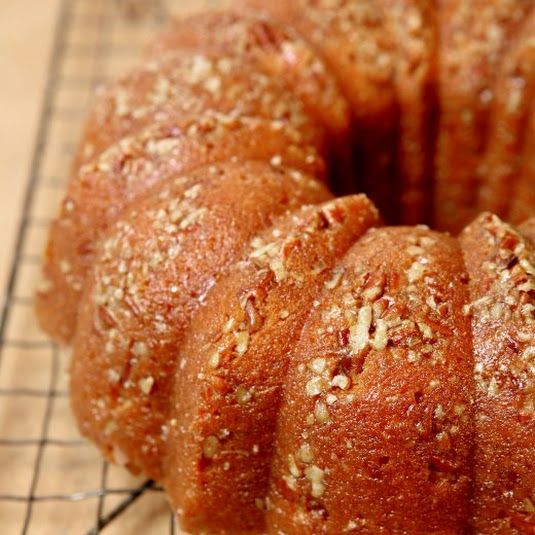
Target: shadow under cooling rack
column 53, row 482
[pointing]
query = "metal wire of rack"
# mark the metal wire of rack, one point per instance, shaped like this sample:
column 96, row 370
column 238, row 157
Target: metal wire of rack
column 53, row 481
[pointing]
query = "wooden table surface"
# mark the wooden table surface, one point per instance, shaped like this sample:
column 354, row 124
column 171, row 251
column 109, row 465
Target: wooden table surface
column 26, row 30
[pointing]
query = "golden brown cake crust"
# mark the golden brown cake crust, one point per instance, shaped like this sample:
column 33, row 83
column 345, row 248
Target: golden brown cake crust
column 183, row 85
column 528, row 229
column 154, row 268
column 501, row 264
column 358, row 47
column 504, row 190
column 107, row 185
column 276, row 49
column 473, row 36
column 375, row 430
column 524, row 189
column 234, row 362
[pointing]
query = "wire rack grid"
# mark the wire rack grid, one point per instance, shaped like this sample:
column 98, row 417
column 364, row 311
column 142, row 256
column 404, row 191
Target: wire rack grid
column 53, row 482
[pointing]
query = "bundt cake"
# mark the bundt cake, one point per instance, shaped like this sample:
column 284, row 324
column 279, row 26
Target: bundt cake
column 274, row 356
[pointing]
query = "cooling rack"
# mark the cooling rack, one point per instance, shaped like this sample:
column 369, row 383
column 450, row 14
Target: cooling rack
column 52, row 481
